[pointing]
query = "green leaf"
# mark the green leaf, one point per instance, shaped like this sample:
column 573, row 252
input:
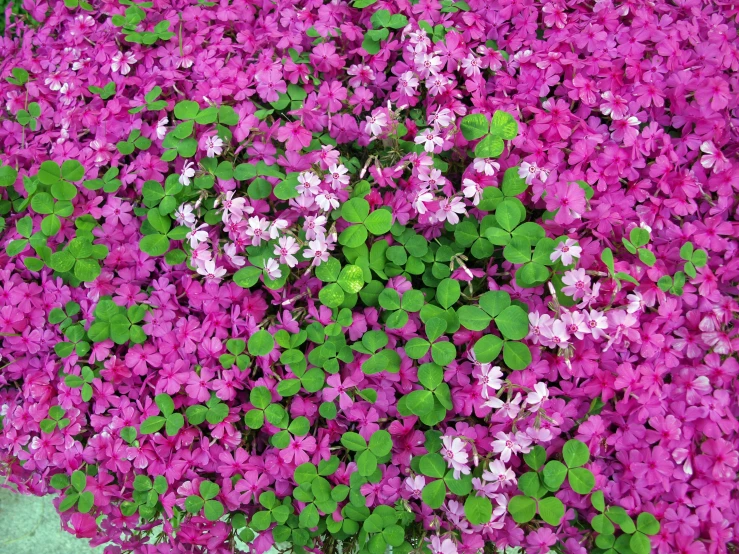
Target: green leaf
column 380, row 443
column 353, row 236
column 640, row 544
column 213, row 510
column 518, row 250
column 489, row 147
column 503, row 125
column 513, row 323
column 513, row 185
column 575, row 453
column 487, row 348
column 598, row 501
column 42, row 203
column 602, row 524
column 699, row 258
column 686, row 251
column 72, row 170
column 86, row 270
column 186, row 109
column 8, row 176
column 474, row 126
column 152, row 425
column 619, row 516
column 554, row 474
column 581, row 480
column 478, row 510
column 379, row 222
column 247, row 277
column 647, row 257
column 516, row 355
column 351, row 279
column 607, row 257
column 448, row 292
column 260, row 343
column 420, row 402
column 551, row 510
column 508, row 214
column 647, row 524
column 353, row 441
column 522, row 508
column 535, row 458
column 473, row 318
column 366, row 463
column 154, row 245
column 49, row 173
column 434, row 493
column 260, row 397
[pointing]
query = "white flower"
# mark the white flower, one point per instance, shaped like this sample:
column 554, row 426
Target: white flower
column 317, row 249
column 230, row 250
column 184, row 215
column 337, row 176
column 490, row 378
column 566, row 250
column 188, row 172
column 327, row 201
column 636, row 302
column 273, row 269
column 472, row 190
column 211, row 272
column 197, row 235
column 257, row 230
column 499, row 474
column 528, row 172
column 285, row 248
column 429, row 139
column 453, row 451
column 415, row 485
column 538, row 395
column 420, row 199
column 449, row 210
column 314, row 226
column 277, row 226
column 122, row 62
column 376, row 123
column 486, row 166
column 308, row 183
column 161, row 129
column 214, row 146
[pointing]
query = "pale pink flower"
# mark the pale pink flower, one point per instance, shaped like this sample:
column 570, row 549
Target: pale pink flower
column 121, row 63
column 472, row 190
column 499, row 475
column 486, row 166
column 213, row 146
column 272, row 268
column 376, row 123
column 314, row 226
column 285, row 248
column 308, row 183
column 575, row 324
column 453, row 451
column 317, row 249
column 713, row 157
column 184, row 215
column 230, row 250
column 327, row 201
column 258, row 230
column 566, row 251
column 337, row 176
column 211, row 272
column 596, row 323
column 577, row 283
column 420, row 198
column 197, row 235
column 450, row 210
column 430, row 140
column 537, row 326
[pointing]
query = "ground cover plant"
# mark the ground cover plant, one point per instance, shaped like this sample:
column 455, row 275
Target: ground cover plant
column 416, row 276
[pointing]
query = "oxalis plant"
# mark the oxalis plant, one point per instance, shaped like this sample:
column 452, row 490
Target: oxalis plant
column 437, row 300
column 370, row 277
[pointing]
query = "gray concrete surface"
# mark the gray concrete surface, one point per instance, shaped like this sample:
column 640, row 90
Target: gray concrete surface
column 30, row 525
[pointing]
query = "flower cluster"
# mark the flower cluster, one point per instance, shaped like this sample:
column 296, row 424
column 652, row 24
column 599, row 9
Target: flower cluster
column 441, row 276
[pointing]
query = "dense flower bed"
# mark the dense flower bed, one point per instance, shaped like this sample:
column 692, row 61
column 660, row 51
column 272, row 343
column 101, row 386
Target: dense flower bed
column 442, row 276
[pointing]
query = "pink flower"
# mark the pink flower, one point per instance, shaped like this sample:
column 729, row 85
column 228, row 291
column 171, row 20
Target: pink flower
column 453, row 451
column 294, row 135
column 450, row 209
column 566, row 251
column 298, row 449
column 577, row 283
column 121, row 63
